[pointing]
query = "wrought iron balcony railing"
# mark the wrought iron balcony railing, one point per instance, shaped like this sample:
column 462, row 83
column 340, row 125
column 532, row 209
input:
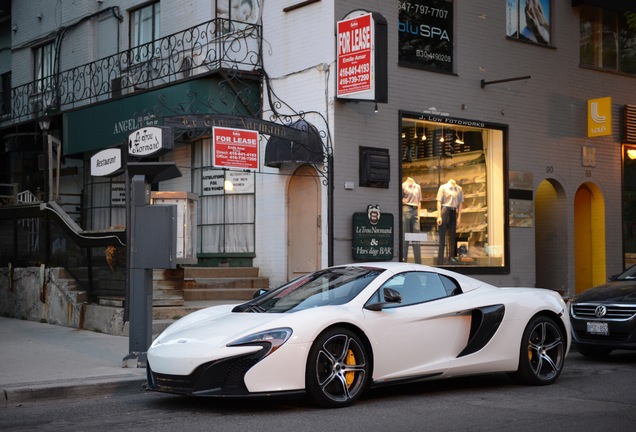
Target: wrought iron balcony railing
column 212, row 46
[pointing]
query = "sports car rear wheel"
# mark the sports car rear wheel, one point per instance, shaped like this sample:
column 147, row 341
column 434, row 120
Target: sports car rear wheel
column 542, row 352
column 337, row 368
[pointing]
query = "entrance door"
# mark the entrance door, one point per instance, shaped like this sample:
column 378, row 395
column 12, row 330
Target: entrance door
column 589, row 237
column 304, row 222
column 551, row 228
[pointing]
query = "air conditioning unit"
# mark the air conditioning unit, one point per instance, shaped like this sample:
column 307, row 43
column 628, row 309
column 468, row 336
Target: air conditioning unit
column 129, row 81
column 116, row 88
column 185, row 70
column 36, row 103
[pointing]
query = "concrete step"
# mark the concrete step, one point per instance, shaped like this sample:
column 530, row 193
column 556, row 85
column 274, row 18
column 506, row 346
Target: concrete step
column 210, row 294
column 221, row 283
column 219, row 272
column 238, row 282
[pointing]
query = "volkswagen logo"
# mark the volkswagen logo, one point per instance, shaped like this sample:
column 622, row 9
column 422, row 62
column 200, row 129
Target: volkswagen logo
column 600, row 311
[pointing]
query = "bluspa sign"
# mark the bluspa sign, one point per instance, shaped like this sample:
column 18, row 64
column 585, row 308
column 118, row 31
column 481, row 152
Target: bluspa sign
column 235, row 148
column 425, row 34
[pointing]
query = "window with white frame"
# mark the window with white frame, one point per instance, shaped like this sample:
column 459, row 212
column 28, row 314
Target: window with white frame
column 144, row 29
column 226, row 203
column 44, row 61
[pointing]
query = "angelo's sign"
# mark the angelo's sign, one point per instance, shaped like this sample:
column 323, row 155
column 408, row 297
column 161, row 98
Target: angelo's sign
column 599, row 117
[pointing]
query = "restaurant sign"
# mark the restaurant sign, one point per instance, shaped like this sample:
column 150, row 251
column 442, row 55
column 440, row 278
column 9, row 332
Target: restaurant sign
column 372, row 235
column 108, row 162
column 150, row 141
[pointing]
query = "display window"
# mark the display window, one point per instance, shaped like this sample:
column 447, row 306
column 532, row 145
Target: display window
column 629, row 208
column 453, row 192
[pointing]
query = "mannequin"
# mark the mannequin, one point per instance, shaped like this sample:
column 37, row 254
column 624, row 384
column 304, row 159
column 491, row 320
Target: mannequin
column 449, row 209
column 411, row 203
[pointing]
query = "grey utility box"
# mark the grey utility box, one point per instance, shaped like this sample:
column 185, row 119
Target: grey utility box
column 155, row 239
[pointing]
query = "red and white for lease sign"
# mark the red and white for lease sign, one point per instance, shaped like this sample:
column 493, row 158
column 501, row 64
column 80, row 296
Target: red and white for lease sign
column 235, row 148
column 355, row 42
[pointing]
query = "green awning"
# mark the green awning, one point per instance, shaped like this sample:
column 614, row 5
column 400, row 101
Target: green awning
column 109, row 124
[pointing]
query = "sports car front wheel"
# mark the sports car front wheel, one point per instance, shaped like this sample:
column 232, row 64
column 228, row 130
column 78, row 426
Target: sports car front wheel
column 542, row 352
column 337, row 368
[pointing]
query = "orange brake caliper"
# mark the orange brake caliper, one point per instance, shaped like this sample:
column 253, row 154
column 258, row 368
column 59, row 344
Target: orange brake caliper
column 350, row 360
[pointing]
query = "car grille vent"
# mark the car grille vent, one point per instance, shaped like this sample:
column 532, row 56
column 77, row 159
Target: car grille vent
column 220, row 377
column 614, row 312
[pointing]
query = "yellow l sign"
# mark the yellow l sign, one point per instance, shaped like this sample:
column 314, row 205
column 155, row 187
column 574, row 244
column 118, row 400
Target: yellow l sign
column 599, row 117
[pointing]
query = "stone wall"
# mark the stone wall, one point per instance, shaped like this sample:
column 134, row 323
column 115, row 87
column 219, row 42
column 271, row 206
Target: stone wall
column 47, row 295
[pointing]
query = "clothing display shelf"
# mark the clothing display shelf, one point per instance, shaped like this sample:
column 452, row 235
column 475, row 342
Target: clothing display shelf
column 469, row 171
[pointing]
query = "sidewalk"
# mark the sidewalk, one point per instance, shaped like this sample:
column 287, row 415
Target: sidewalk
column 42, row 362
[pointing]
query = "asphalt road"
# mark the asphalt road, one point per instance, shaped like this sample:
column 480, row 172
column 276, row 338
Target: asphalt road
column 589, row 396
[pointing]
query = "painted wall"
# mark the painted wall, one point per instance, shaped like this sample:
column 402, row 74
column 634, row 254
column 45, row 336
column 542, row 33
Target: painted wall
column 546, row 116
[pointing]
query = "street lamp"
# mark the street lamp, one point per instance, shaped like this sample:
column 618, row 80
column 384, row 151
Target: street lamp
column 44, row 124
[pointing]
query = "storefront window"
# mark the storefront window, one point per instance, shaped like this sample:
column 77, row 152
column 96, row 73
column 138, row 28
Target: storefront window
column 453, row 195
column 227, row 206
column 629, row 204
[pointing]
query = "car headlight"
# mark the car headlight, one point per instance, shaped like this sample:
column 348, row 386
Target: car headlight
column 270, row 340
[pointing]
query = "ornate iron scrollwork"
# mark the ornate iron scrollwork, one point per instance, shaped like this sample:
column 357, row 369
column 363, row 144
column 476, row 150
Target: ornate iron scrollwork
column 209, row 47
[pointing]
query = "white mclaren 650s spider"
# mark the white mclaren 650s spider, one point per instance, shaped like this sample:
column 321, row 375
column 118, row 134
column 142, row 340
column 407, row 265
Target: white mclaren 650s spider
column 333, row 333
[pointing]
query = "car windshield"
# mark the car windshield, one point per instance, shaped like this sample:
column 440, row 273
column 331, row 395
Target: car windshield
column 334, row 286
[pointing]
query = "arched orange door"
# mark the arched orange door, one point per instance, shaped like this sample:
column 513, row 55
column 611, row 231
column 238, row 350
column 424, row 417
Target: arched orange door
column 304, row 222
column 589, row 237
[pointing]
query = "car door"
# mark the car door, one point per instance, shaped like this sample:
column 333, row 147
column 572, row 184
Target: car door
column 421, row 335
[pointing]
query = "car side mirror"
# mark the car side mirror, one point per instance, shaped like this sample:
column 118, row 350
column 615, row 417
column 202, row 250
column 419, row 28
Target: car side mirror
column 392, row 296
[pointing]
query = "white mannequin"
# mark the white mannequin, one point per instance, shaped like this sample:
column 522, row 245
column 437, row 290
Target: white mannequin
column 449, row 209
column 450, row 184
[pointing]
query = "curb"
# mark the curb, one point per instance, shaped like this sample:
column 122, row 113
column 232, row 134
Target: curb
column 88, row 387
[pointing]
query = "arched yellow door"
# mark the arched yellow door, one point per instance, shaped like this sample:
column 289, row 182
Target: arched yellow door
column 304, row 222
column 589, row 237
column 551, row 250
